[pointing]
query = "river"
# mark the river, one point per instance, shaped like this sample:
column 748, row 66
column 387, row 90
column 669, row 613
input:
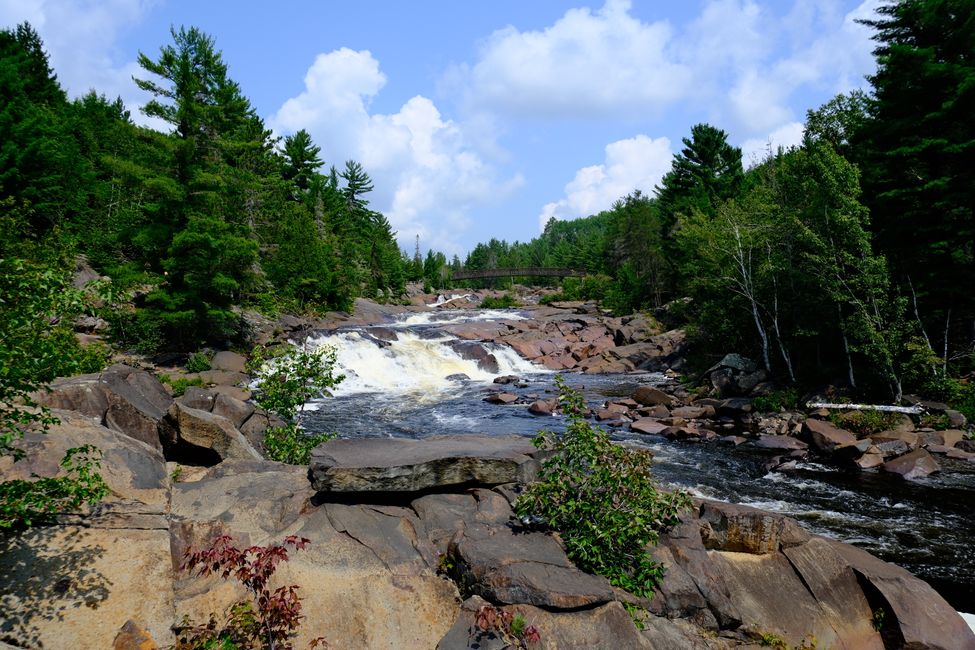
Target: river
column 407, row 379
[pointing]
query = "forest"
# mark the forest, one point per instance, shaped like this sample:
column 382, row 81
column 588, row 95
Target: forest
column 849, row 258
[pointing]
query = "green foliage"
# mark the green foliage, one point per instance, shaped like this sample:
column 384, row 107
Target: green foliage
column 269, row 620
column 503, row 301
column 291, row 445
column 878, row 619
column 180, row 384
column 776, row 401
column 27, row 503
column 602, row 499
column 198, row 362
column 513, row 629
column 288, row 379
column 865, row 423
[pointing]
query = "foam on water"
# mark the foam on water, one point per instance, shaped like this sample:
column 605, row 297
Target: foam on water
column 411, row 365
column 970, row 619
column 453, row 316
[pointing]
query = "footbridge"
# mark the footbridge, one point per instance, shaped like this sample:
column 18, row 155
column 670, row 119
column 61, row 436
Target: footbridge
column 536, row 272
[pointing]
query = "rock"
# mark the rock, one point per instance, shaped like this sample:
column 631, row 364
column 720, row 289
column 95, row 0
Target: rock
column 903, row 441
column 506, row 379
column 870, row 460
column 956, row 419
column 650, row 396
column 779, row 442
column 958, row 454
column 530, row 568
column 501, row 398
column 648, row 426
column 948, row 438
column 966, row 445
column 198, row 398
column 916, row 464
column 198, row 430
column 254, row 427
column 852, row 450
column 918, row 617
column 229, row 361
column 133, row 637
column 732, row 441
column 741, row 529
column 73, row 584
column 693, row 412
column 123, row 398
column 233, row 409
column 475, row 351
column 543, row 407
column 223, row 377
column 825, row 437
column 387, row 465
column 241, row 394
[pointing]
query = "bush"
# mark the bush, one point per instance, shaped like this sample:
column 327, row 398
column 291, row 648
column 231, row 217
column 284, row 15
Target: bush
column 865, row 423
column 602, row 499
column 287, row 380
column 269, row 621
column 198, row 362
column 776, row 401
column 180, row 384
column 503, row 302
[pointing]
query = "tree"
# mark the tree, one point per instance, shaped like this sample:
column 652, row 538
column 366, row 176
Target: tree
column 707, row 171
column 919, row 156
column 301, row 160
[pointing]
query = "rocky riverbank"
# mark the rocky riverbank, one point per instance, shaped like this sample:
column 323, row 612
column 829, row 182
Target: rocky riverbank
column 408, row 539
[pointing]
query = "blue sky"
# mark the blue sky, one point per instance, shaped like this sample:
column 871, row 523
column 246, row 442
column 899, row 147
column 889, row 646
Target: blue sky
column 483, row 119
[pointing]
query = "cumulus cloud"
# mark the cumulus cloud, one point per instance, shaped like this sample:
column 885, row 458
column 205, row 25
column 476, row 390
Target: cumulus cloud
column 634, row 163
column 586, row 63
column 80, row 38
column 428, row 173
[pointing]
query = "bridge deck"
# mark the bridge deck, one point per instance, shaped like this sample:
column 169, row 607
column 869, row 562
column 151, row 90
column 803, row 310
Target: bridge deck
column 521, row 272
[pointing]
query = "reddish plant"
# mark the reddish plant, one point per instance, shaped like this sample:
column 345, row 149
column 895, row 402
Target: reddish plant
column 512, row 628
column 271, row 621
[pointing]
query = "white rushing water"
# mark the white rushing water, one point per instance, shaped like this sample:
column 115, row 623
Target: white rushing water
column 417, row 364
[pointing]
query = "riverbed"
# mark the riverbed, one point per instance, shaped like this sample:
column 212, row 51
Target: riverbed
column 407, row 379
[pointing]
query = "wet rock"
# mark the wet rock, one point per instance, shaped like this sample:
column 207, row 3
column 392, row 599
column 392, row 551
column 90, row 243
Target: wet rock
column 852, row 450
column 693, row 412
column 870, row 460
column 916, row 464
column 779, row 442
column 649, row 426
column 506, row 379
column 732, row 441
column 501, row 398
column 458, row 376
column 825, row 437
column 543, row 407
column 402, row 465
column 474, row 351
column 651, row 396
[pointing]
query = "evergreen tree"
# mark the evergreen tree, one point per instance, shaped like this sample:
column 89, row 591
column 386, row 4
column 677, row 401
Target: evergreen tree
column 301, row 160
column 919, row 156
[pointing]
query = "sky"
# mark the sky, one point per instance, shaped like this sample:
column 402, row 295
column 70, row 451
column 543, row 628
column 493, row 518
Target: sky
column 485, row 119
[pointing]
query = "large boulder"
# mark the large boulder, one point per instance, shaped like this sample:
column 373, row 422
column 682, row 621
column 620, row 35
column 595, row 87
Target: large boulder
column 123, row 398
column 207, row 432
column 824, row 436
column 917, row 464
column 652, row 396
column 384, row 464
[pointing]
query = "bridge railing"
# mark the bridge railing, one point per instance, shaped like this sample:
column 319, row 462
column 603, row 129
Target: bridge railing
column 536, row 272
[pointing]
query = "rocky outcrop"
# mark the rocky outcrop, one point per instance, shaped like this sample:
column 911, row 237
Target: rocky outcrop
column 391, row 464
column 208, row 432
column 124, row 399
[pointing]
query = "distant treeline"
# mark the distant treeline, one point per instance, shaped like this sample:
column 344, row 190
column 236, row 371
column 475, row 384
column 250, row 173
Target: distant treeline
column 851, row 256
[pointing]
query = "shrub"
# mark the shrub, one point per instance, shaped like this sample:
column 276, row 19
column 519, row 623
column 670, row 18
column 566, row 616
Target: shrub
column 269, row 620
column 505, row 301
column 602, row 499
column 287, row 381
column 776, row 401
column 198, row 362
column 512, row 629
column 864, row 423
column 180, row 384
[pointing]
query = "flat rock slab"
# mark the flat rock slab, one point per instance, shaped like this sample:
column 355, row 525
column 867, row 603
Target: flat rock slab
column 401, row 465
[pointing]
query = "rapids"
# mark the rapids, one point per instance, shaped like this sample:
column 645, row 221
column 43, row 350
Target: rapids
column 409, row 378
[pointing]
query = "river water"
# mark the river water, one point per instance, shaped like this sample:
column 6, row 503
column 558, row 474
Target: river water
column 408, row 379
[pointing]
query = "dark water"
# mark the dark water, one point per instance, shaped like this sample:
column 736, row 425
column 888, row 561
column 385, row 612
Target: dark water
column 924, row 526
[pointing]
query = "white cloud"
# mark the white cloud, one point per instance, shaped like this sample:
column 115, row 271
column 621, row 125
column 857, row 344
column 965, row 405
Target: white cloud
column 635, row 163
column 753, row 151
column 427, row 172
column 80, row 38
column 586, row 63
